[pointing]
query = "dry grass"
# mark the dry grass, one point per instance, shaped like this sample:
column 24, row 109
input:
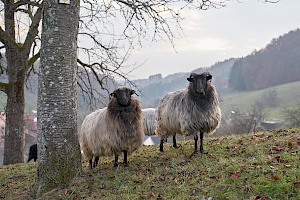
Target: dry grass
column 265, row 165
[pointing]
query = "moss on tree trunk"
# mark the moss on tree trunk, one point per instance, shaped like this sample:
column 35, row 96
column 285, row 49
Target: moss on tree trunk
column 59, row 157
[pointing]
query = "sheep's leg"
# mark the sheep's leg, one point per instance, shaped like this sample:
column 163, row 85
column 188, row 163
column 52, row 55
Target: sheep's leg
column 196, row 141
column 201, row 142
column 90, row 163
column 116, row 161
column 96, row 161
column 125, row 159
column 161, row 146
column 174, row 141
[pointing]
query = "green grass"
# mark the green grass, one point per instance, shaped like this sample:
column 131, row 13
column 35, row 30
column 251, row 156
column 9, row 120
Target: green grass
column 265, row 165
column 287, row 95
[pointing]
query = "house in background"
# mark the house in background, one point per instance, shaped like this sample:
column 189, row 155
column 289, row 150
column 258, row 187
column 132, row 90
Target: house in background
column 30, row 122
column 30, row 125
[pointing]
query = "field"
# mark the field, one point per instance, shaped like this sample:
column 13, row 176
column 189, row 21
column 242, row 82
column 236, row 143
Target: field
column 287, row 95
column 264, row 165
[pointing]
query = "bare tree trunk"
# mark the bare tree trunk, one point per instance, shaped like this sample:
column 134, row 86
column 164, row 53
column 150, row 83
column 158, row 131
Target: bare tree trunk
column 14, row 132
column 59, row 157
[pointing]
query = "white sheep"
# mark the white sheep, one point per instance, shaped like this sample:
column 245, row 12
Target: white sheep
column 114, row 129
column 189, row 111
column 149, row 123
column 149, row 120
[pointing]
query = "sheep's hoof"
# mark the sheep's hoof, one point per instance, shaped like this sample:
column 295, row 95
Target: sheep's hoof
column 115, row 165
column 125, row 164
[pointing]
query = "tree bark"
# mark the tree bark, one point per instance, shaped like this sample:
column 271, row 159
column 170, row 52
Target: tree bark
column 16, row 62
column 59, row 157
column 14, row 131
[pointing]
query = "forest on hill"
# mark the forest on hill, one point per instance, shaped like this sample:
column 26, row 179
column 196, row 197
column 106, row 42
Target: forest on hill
column 278, row 63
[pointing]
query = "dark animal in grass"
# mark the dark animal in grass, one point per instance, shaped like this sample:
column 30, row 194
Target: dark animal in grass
column 32, row 153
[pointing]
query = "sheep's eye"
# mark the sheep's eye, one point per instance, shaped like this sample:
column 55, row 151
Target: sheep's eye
column 132, row 91
column 113, row 95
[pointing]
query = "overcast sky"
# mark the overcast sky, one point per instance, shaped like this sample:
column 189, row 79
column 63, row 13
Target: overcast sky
column 218, row 34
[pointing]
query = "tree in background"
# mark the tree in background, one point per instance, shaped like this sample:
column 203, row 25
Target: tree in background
column 291, row 115
column 271, row 98
column 236, row 79
column 247, row 122
column 59, row 157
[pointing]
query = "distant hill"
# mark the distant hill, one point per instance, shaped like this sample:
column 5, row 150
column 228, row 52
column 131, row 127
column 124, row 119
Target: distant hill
column 278, row 63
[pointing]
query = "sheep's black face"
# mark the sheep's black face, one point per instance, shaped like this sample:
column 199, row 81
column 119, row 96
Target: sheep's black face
column 123, row 96
column 200, row 82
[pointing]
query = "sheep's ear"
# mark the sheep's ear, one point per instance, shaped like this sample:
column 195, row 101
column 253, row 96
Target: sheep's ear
column 133, row 92
column 208, row 77
column 112, row 94
column 190, row 79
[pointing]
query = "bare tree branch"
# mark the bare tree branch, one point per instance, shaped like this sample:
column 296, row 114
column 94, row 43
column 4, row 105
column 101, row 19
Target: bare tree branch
column 20, row 3
column 7, row 40
column 33, row 31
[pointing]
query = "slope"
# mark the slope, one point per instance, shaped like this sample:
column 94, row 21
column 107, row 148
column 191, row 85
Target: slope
column 264, row 165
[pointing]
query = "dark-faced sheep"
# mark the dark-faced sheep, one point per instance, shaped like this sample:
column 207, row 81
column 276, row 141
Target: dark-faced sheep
column 149, row 123
column 114, row 129
column 189, row 111
column 32, row 153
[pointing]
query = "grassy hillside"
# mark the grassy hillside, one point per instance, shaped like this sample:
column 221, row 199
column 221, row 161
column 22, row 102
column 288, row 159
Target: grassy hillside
column 287, row 94
column 264, row 165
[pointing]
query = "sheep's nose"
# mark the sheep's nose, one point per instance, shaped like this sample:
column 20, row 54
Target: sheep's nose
column 124, row 102
column 200, row 91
